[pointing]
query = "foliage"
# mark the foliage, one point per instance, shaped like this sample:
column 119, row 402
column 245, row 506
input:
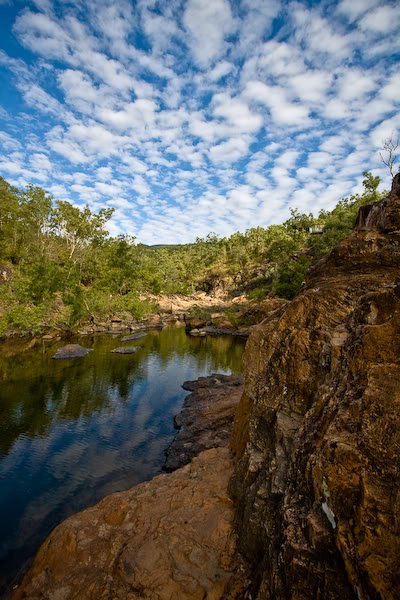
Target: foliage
column 58, row 251
column 26, row 318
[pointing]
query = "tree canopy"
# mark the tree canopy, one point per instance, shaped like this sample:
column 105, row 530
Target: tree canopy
column 64, row 266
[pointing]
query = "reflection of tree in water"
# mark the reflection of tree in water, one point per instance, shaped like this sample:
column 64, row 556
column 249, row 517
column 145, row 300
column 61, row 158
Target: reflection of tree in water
column 224, row 352
column 104, row 419
column 36, row 390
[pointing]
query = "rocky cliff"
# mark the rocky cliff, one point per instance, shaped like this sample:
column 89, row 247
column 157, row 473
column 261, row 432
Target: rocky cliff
column 316, row 442
column 317, row 433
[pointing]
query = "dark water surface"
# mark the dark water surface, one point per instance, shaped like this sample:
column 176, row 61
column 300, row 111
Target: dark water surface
column 73, row 431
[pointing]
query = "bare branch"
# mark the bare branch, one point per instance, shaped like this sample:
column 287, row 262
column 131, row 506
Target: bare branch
column 389, row 147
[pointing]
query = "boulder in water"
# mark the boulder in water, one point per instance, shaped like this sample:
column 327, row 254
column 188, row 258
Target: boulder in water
column 125, row 350
column 71, row 351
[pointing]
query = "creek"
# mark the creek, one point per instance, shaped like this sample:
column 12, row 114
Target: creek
column 74, row 431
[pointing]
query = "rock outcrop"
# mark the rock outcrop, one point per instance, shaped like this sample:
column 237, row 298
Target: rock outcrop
column 317, row 432
column 206, row 418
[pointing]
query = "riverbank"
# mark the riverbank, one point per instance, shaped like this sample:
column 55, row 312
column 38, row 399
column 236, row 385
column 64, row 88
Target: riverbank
column 168, row 538
column 75, row 431
column 212, row 315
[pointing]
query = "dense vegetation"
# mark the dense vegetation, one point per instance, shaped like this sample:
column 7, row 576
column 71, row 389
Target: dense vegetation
column 58, row 265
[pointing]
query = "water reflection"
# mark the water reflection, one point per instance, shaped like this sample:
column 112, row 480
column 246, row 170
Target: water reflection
column 73, row 431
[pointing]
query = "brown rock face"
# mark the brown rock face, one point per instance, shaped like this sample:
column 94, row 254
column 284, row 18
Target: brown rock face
column 169, row 539
column 317, row 432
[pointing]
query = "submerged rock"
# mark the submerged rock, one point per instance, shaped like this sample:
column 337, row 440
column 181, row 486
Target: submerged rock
column 206, row 419
column 134, row 336
column 125, row 350
column 71, row 351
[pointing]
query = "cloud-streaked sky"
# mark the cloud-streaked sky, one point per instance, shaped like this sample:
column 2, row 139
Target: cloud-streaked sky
column 191, row 116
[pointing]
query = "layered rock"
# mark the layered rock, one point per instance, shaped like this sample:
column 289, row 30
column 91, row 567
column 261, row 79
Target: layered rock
column 317, row 433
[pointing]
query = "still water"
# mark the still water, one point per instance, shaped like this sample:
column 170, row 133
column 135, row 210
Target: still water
column 73, row 431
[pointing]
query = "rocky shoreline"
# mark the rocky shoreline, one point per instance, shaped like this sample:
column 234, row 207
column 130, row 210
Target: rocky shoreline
column 170, row 538
column 206, row 418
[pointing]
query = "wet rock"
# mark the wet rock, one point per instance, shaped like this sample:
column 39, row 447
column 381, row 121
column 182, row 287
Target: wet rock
column 125, row 350
column 71, row 351
column 206, row 419
column 170, row 538
column 134, row 336
column 214, row 381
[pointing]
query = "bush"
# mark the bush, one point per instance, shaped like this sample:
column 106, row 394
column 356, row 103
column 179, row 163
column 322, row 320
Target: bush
column 26, row 319
column 257, row 294
column 103, row 305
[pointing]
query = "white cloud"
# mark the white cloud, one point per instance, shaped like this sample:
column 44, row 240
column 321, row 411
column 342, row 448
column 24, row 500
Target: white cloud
column 276, row 99
column 221, row 111
column 381, row 20
column 40, row 161
column 208, row 24
column 353, row 9
column 7, row 142
column 311, row 86
column 3, row 113
column 104, row 173
column 237, row 114
column 231, row 150
column 220, row 70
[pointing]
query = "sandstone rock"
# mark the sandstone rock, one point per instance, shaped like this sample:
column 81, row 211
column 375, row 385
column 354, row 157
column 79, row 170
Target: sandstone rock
column 206, row 418
column 125, row 350
column 194, row 332
column 71, row 351
column 317, row 432
column 194, row 323
column 168, row 539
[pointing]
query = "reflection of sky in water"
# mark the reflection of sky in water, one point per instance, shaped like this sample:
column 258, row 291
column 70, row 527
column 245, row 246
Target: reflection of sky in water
column 72, row 432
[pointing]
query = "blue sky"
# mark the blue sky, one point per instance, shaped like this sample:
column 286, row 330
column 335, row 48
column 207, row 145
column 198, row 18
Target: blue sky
column 192, row 116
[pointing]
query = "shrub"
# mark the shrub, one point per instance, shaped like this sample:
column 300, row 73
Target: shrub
column 24, row 318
